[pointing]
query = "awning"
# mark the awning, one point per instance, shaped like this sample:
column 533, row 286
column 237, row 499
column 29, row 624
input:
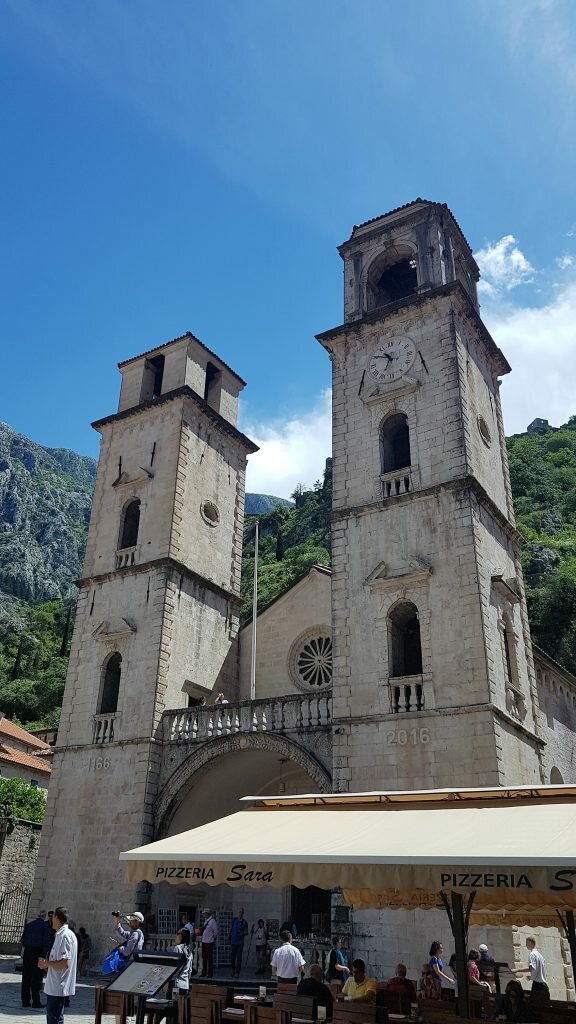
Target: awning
column 514, row 848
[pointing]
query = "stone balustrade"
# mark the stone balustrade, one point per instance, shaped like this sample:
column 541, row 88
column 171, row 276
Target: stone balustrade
column 125, row 557
column 272, row 714
column 406, row 694
column 104, row 726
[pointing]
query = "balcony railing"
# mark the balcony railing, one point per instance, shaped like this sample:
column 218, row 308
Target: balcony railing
column 273, row 714
column 406, row 694
column 104, row 726
column 125, row 557
column 400, row 481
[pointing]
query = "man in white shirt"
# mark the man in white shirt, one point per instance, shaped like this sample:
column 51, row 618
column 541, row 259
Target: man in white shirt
column 61, row 967
column 536, row 967
column 287, row 961
column 209, row 937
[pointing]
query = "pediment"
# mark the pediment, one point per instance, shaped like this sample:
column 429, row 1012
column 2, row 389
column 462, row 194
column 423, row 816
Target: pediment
column 115, row 629
column 416, row 570
column 509, row 588
column 374, row 393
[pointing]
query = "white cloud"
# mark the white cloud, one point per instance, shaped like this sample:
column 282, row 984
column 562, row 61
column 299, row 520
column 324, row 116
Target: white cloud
column 503, row 266
column 540, row 344
column 565, row 261
column 291, row 451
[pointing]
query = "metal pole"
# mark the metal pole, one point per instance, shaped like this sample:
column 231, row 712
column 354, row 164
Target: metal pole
column 254, row 617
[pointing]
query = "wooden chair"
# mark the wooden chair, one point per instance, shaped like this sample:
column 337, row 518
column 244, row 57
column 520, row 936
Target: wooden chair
column 202, row 1006
column 118, row 1003
column 335, row 988
column 436, row 1011
column 394, row 1001
column 294, row 1009
column 257, row 1014
column 359, row 1013
column 286, row 986
column 156, row 1014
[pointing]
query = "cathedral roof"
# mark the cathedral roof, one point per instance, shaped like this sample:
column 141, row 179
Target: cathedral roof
column 173, row 341
column 324, row 570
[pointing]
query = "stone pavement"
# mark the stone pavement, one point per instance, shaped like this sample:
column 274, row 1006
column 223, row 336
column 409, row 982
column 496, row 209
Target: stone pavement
column 81, row 1010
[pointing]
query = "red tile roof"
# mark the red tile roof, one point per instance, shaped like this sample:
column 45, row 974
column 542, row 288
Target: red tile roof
column 11, row 756
column 7, row 728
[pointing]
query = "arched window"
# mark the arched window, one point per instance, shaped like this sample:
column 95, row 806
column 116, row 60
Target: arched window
column 394, row 443
column 391, row 277
column 130, row 525
column 110, row 685
column 404, row 640
column 556, row 777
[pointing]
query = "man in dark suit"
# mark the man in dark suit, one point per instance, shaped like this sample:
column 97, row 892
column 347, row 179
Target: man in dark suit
column 36, row 941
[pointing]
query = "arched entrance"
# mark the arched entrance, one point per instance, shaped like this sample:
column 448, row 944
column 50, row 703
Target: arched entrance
column 209, row 785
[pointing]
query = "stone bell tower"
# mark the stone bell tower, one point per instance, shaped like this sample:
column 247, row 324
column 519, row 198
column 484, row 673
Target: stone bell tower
column 157, row 615
column 433, row 677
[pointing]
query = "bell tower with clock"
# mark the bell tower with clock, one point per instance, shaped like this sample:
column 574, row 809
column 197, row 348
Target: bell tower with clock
column 433, row 679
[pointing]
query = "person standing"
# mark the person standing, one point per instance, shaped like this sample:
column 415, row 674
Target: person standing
column 486, row 965
column 238, row 932
column 60, row 967
column 209, row 936
column 337, row 967
column 536, row 969
column 181, row 982
column 261, row 940
column 133, row 935
column 84, row 950
column 437, row 969
column 35, row 939
column 287, row 961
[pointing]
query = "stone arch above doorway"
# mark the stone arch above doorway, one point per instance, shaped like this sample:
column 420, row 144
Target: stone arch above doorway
column 201, row 759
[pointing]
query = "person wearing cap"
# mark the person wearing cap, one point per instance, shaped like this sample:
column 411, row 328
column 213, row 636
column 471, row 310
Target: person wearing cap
column 133, row 936
column 486, row 965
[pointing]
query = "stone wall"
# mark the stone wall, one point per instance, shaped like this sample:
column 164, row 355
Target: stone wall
column 19, row 842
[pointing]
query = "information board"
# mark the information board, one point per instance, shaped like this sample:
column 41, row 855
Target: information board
column 146, row 978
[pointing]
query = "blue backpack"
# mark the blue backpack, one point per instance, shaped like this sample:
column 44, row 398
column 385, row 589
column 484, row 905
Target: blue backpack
column 113, row 963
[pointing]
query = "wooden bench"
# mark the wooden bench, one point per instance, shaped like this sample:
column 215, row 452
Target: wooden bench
column 258, row 1014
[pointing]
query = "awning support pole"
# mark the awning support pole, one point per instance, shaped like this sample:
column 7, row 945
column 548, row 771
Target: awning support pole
column 567, row 921
column 459, row 916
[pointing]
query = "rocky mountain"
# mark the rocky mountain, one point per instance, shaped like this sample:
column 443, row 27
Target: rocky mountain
column 45, row 496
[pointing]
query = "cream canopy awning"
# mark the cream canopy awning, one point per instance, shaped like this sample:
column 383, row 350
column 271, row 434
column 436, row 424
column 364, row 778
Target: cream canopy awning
column 514, row 848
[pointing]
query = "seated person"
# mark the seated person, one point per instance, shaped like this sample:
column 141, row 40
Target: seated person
column 512, row 1006
column 473, row 972
column 314, row 986
column 359, row 988
column 426, row 987
column 400, row 983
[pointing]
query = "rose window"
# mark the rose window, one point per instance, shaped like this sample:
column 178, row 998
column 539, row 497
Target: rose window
column 311, row 660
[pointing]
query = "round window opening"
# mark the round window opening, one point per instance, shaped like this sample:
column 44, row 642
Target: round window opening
column 311, row 660
column 484, row 431
column 210, row 513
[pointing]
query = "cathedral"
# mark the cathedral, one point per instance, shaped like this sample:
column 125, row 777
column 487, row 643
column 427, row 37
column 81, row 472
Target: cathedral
column 407, row 665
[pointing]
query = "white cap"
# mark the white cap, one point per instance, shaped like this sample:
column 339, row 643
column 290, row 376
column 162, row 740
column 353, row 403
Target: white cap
column 483, row 947
column 136, row 916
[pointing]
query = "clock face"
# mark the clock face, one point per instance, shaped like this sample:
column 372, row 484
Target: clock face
column 392, row 359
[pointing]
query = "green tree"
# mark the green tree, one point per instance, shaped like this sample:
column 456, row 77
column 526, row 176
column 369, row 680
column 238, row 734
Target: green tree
column 20, row 800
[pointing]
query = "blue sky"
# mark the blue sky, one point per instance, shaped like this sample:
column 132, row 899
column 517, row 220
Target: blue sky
column 178, row 166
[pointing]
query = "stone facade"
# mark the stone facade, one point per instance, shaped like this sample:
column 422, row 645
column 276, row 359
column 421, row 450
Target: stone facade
column 410, row 666
column 157, row 613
